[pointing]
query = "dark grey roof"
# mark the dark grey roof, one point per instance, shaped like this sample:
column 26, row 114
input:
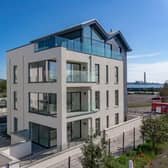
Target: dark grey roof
column 107, row 36
column 76, row 27
column 119, row 34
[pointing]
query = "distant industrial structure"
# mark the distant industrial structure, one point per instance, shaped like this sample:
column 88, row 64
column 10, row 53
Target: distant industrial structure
column 145, row 77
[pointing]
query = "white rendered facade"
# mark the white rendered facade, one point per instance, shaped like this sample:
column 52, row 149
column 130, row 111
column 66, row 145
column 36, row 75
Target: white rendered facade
column 76, row 77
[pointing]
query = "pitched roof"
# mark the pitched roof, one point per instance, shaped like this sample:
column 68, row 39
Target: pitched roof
column 121, row 37
column 107, row 36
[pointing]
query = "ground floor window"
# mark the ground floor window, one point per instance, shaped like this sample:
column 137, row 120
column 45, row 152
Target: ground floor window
column 97, row 126
column 77, row 130
column 15, row 124
column 116, row 118
column 43, row 135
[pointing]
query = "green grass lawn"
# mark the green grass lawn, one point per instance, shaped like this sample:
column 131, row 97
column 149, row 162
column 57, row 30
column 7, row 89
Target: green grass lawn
column 143, row 156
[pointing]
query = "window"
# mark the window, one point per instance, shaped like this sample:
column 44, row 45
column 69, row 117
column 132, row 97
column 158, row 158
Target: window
column 108, row 50
column 97, row 99
column 116, row 118
column 97, row 126
column 52, row 105
column 107, row 121
column 120, row 49
column 107, row 74
column 45, row 44
column 43, row 103
column 15, row 125
column 116, row 97
column 74, row 72
column 97, row 73
column 43, row 135
column 38, row 71
column 15, row 100
column 15, row 74
column 74, row 101
column 116, row 75
column 52, row 69
column 107, row 98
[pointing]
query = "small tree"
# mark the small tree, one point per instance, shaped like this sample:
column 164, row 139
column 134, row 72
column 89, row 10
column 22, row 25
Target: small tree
column 92, row 155
column 155, row 130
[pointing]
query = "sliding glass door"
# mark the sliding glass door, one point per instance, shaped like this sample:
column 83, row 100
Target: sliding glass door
column 43, row 135
column 74, row 101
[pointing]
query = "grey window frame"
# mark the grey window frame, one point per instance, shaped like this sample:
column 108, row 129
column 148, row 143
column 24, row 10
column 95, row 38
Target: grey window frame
column 48, row 113
column 15, row 79
column 116, row 70
column 107, row 98
column 97, row 73
column 97, row 99
column 107, row 74
column 15, row 124
column 116, row 97
column 15, row 100
column 116, row 118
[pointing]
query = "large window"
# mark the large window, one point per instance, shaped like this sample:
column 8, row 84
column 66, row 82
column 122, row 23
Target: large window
column 43, row 103
column 15, row 74
column 116, row 97
column 15, row 100
column 74, row 101
column 97, row 73
column 38, row 71
column 97, row 126
column 116, row 75
column 97, row 100
column 43, row 135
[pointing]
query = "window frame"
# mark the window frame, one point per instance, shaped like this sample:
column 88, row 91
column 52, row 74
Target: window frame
column 97, row 93
column 15, row 124
column 107, row 98
column 107, row 74
column 97, row 126
column 107, row 121
column 97, row 73
column 48, row 113
column 116, row 118
column 15, row 100
column 15, row 79
column 116, row 97
column 45, row 71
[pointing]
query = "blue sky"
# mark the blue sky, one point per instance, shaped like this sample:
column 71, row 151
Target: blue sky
column 143, row 22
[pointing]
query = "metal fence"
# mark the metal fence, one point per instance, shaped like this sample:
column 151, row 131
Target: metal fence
column 115, row 146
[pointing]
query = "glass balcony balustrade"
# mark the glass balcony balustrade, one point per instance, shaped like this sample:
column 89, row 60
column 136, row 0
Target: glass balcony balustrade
column 80, row 76
column 88, row 46
column 85, row 110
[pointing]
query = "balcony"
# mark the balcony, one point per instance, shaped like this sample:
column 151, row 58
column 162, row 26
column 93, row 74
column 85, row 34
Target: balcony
column 74, row 76
column 88, row 46
column 79, row 102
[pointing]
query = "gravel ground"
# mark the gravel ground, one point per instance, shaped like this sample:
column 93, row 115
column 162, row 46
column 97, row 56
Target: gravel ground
column 138, row 99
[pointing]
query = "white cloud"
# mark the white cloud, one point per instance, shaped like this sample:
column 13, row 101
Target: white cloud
column 156, row 72
column 144, row 55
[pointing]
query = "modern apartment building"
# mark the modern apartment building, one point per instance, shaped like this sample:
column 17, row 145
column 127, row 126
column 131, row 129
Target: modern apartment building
column 67, row 85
